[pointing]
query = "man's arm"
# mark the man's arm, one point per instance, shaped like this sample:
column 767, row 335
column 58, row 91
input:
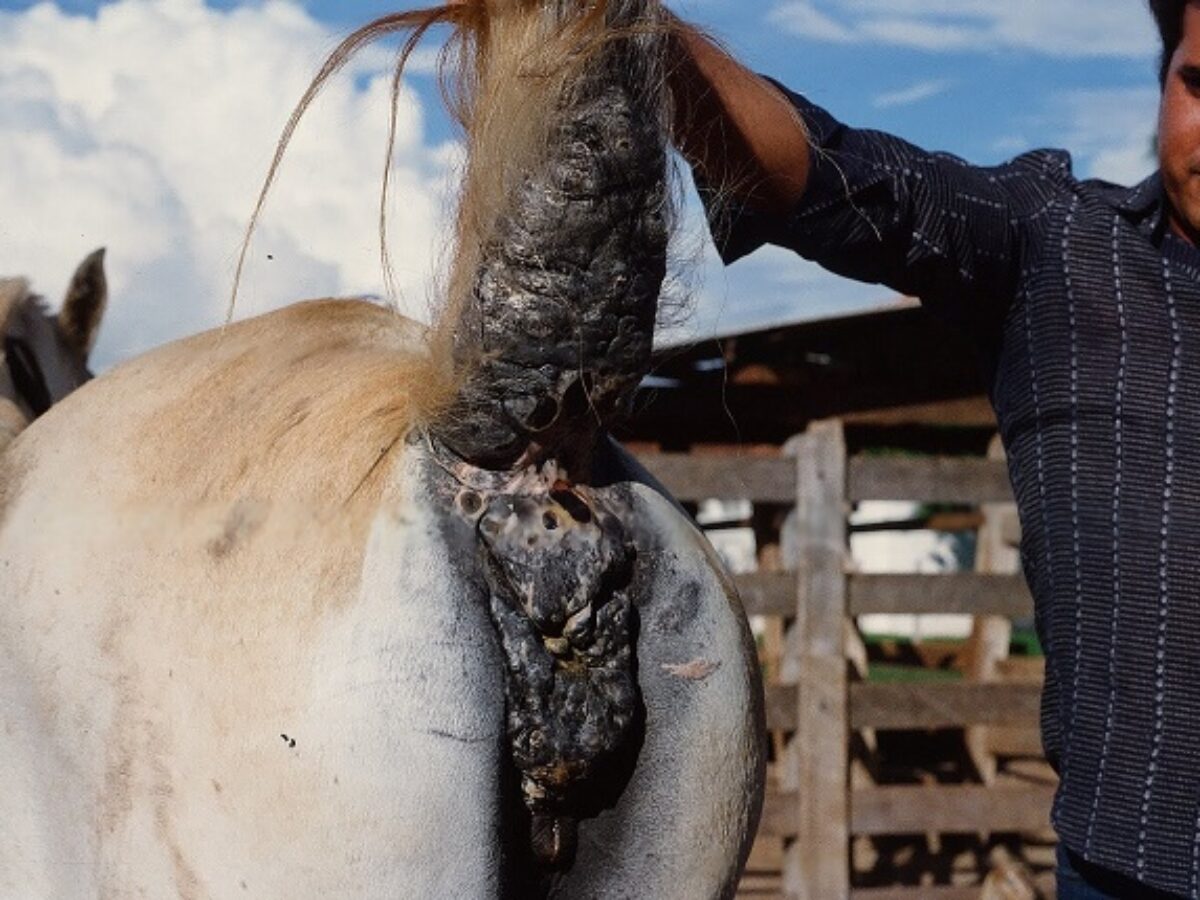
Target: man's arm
column 735, row 128
column 774, row 168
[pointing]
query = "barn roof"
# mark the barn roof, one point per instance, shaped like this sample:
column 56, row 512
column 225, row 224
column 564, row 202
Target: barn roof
column 894, row 365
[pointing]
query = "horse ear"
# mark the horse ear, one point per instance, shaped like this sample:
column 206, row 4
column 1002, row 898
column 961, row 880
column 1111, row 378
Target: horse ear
column 84, row 304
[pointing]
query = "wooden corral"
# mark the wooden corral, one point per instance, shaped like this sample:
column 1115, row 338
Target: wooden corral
column 826, row 720
column 877, row 789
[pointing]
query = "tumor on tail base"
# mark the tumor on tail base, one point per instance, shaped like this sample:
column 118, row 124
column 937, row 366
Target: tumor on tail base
column 559, row 569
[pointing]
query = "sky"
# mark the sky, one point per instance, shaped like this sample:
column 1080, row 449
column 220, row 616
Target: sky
column 146, row 126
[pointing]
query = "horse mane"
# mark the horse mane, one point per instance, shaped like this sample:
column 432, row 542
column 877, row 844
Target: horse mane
column 502, row 71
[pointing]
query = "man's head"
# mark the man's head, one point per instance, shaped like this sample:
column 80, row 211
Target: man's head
column 1179, row 112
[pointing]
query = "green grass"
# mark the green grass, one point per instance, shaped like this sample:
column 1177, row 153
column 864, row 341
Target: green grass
column 891, row 673
column 1024, row 643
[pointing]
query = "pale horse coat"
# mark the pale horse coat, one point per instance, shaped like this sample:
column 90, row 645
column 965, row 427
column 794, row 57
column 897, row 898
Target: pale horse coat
column 237, row 658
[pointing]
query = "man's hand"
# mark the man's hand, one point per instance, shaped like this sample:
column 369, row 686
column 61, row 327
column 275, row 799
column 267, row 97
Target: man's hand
column 734, row 127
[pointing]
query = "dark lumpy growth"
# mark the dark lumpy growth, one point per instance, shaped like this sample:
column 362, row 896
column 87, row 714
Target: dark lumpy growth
column 565, row 298
column 558, row 581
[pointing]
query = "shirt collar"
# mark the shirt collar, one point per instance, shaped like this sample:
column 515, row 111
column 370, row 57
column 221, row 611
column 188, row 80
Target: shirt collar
column 1143, row 204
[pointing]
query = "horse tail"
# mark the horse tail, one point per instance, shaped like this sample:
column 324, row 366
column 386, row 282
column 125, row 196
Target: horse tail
column 563, row 217
column 562, row 230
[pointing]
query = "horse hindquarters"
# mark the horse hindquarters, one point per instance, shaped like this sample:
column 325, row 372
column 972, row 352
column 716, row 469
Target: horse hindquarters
column 152, row 746
column 197, row 697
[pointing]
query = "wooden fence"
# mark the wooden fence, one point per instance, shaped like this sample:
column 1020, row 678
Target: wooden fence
column 814, row 703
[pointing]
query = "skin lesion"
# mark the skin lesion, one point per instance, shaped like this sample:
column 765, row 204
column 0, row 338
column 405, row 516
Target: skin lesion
column 559, row 570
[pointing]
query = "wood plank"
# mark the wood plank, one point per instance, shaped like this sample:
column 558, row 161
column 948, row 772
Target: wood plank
column 918, row 809
column 1023, row 772
column 766, row 855
column 929, row 479
column 937, row 521
column 950, row 809
column 817, row 864
column 691, row 478
column 781, row 702
column 1029, row 669
column 766, row 480
column 991, row 635
column 768, row 593
column 781, row 810
column 928, row 892
column 752, row 888
column 969, row 593
column 1015, row 741
column 966, row 412
column 943, row 705
column 939, row 892
column 922, row 706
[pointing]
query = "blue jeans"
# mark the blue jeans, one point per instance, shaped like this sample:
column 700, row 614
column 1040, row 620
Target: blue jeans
column 1079, row 880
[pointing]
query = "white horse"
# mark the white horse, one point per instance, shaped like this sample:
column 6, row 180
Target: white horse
column 45, row 355
column 326, row 605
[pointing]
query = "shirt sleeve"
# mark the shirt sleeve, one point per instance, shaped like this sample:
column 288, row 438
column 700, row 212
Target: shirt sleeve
column 878, row 209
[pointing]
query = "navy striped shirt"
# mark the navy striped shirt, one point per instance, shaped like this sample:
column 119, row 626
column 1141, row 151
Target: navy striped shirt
column 1087, row 312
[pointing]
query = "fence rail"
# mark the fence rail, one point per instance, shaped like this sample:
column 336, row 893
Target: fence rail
column 919, row 706
column 767, row 480
column 948, row 809
column 966, row 593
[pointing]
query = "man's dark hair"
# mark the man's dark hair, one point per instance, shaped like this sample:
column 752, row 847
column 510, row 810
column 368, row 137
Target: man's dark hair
column 1168, row 14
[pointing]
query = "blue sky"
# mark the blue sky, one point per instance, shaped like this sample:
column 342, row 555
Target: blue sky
column 983, row 101
column 978, row 78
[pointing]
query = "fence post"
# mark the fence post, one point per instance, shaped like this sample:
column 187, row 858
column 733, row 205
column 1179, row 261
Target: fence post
column 817, row 864
column 990, row 635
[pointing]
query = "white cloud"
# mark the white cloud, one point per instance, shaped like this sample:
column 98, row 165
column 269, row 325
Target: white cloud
column 802, row 18
column 148, row 128
column 1115, row 28
column 915, row 93
column 1111, row 132
column 923, row 35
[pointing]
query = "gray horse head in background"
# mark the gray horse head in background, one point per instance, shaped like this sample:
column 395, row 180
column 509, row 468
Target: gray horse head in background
column 45, row 354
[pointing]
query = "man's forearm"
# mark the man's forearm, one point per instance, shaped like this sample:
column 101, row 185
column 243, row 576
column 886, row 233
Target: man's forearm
column 734, row 127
